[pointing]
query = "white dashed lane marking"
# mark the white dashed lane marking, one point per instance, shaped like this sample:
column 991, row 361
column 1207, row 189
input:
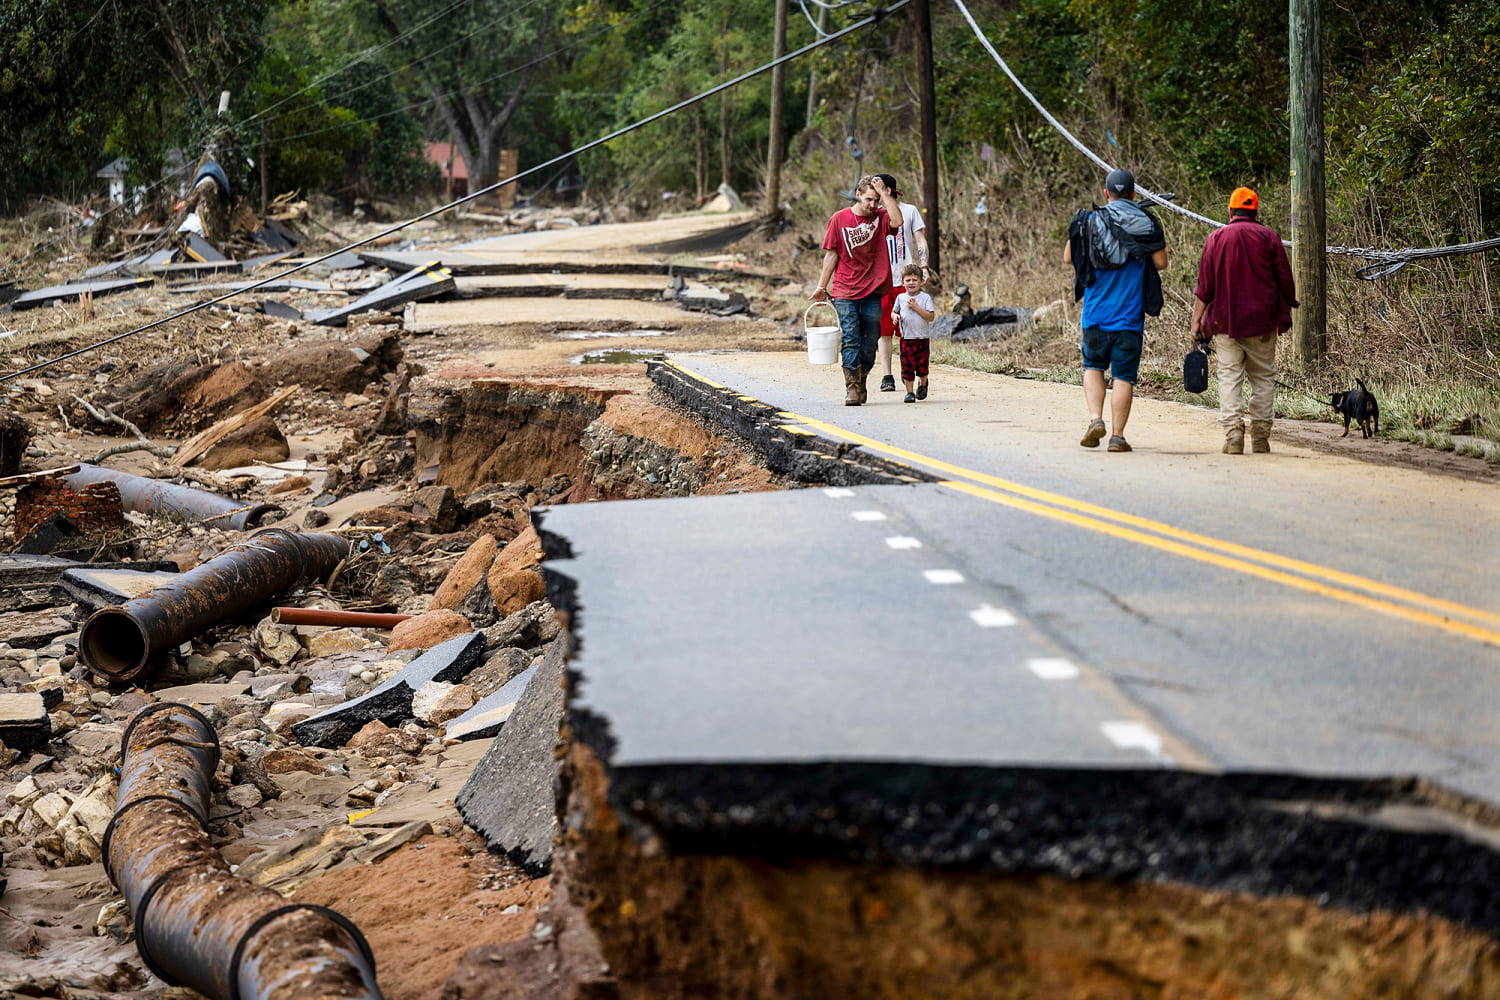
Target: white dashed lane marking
column 868, row 515
column 838, row 492
column 987, row 617
column 943, row 576
column 903, row 542
column 1052, row 669
column 1133, row 736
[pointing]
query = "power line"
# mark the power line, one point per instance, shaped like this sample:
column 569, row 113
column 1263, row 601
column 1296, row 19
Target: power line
column 342, row 94
column 1386, row 261
column 428, row 102
column 556, row 160
column 356, row 58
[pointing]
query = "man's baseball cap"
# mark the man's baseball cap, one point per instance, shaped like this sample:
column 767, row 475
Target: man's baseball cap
column 1121, row 182
column 1243, row 197
column 889, row 182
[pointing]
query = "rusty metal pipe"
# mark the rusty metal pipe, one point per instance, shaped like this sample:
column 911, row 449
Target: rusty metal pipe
column 342, row 619
column 121, row 642
column 152, row 496
column 196, row 924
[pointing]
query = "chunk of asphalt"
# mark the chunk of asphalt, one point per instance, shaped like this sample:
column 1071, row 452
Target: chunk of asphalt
column 511, row 797
column 449, row 661
column 24, row 724
column 492, row 711
column 425, row 282
column 104, row 588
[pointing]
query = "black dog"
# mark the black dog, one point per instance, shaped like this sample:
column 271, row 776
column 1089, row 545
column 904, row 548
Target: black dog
column 1358, row 405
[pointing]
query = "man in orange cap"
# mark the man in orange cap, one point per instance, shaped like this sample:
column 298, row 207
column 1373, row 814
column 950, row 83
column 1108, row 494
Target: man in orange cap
column 1245, row 297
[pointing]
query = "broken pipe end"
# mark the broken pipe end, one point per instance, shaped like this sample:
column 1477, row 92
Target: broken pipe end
column 114, row 644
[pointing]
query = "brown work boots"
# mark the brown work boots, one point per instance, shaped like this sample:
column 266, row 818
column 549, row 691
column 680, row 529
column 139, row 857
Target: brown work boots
column 856, row 386
column 1260, row 438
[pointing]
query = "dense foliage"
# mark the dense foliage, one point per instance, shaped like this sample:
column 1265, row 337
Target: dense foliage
column 339, row 95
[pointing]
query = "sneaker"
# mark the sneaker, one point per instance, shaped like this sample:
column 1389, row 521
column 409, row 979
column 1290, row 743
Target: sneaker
column 888, row 384
column 1117, row 443
column 911, row 397
column 922, row 389
column 1093, row 435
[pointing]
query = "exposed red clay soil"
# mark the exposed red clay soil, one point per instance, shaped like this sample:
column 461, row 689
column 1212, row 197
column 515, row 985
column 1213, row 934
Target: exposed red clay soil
column 427, row 903
column 680, row 927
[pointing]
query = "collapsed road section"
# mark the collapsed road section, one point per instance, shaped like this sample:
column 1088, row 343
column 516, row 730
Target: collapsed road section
column 862, row 809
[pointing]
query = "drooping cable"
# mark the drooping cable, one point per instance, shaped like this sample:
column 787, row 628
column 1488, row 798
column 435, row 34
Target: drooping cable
column 1386, row 261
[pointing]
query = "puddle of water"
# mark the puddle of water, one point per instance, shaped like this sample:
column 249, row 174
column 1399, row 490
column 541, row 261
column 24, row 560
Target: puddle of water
column 620, row 357
column 616, row 334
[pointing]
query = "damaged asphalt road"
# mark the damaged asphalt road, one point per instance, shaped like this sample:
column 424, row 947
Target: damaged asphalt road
column 729, row 735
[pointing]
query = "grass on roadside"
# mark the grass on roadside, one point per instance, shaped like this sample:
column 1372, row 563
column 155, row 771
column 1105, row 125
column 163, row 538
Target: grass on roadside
column 1460, row 418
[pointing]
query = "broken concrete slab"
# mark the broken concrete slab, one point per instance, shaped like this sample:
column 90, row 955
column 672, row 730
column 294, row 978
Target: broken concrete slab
column 279, row 310
column 427, row 281
column 30, row 630
column 270, row 287
column 658, row 315
column 28, row 581
column 96, row 588
column 24, row 724
column 199, row 249
column 195, row 268
column 118, row 267
column 348, row 260
column 391, row 702
column 200, row 694
column 70, row 293
column 492, row 712
column 511, row 797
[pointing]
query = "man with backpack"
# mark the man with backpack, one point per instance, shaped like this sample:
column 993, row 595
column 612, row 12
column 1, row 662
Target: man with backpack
column 1116, row 252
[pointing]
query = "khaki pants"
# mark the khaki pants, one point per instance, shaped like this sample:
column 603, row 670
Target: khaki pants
column 1252, row 360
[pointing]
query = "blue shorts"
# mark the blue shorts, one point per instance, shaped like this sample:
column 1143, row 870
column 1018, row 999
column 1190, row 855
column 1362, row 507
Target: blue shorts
column 1115, row 351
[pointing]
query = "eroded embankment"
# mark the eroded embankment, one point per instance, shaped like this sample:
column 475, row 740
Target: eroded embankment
column 613, row 444
column 801, row 901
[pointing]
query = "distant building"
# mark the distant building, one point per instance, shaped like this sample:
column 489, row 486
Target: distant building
column 175, row 178
column 455, row 171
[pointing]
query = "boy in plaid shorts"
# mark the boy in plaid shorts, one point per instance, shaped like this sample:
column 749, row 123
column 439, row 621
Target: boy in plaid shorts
column 913, row 314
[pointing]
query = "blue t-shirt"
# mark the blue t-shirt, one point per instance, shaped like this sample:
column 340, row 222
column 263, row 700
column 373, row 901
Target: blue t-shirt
column 1116, row 299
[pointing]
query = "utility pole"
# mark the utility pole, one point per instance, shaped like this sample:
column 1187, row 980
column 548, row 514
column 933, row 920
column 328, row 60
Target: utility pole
column 812, row 74
column 928, row 95
column 1309, row 229
column 777, row 152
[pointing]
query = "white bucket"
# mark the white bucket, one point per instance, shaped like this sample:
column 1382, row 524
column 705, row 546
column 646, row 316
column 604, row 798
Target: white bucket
column 822, row 341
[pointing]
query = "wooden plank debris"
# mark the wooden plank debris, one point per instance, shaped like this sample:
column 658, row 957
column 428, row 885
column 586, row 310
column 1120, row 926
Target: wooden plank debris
column 199, row 443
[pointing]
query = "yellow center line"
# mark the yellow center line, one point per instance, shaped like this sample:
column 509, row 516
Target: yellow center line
column 1238, row 565
column 1314, row 570
column 1438, row 612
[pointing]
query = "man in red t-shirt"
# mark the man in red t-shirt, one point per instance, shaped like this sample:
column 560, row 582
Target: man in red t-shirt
column 1245, row 295
column 856, row 274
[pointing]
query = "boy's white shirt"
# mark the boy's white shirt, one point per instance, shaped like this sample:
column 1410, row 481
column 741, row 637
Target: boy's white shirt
column 910, row 321
column 904, row 239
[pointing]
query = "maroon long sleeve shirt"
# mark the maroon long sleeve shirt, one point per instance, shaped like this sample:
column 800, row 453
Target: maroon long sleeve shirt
column 1245, row 279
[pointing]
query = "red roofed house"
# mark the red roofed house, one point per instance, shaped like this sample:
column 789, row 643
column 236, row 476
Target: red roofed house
column 455, row 171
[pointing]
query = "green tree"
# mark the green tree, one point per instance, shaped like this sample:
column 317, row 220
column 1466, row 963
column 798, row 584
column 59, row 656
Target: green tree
column 474, row 62
column 80, row 78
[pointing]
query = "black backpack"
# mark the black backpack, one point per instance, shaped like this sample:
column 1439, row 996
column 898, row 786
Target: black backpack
column 1195, row 369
